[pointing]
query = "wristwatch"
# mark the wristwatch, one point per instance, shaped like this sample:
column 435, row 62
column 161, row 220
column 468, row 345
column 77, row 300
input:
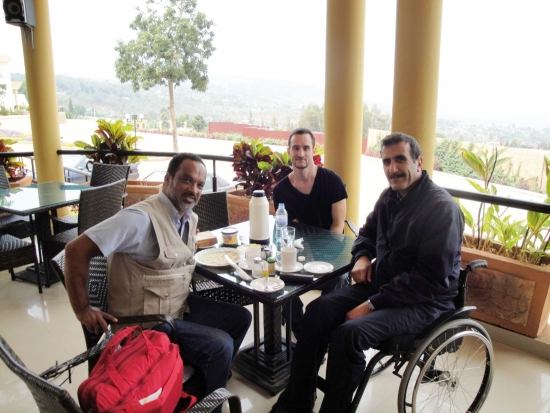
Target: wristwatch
column 370, row 306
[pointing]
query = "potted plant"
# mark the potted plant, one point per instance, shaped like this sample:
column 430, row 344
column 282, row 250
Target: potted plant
column 514, row 291
column 112, row 136
column 256, row 166
column 15, row 169
column 117, row 136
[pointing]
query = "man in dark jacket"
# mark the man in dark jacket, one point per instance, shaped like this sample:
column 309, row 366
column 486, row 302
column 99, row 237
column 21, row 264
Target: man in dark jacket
column 414, row 233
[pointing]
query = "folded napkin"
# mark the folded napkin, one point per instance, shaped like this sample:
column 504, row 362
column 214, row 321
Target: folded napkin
column 298, row 243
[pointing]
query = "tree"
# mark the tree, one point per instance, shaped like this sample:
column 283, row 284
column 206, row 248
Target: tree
column 312, row 118
column 172, row 46
column 71, row 108
column 23, row 89
column 274, row 122
column 198, row 123
column 180, row 121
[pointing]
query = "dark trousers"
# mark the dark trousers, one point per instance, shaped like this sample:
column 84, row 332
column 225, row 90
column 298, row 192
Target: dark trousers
column 209, row 337
column 323, row 324
column 297, row 312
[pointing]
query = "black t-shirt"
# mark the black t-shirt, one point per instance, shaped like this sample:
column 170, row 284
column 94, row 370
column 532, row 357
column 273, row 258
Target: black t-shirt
column 316, row 208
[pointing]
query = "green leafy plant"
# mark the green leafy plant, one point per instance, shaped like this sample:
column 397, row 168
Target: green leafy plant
column 112, row 136
column 15, row 169
column 492, row 230
column 256, row 166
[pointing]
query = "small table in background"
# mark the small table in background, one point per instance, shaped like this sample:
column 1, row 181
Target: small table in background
column 267, row 361
column 36, row 201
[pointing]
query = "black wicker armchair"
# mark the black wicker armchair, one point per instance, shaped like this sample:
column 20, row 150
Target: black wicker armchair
column 11, row 224
column 15, row 252
column 102, row 174
column 96, row 205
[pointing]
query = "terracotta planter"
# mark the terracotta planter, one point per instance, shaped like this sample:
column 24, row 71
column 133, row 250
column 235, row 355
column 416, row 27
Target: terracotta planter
column 509, row 293
column 140, row 190
column 237, row 206
column 25, row 181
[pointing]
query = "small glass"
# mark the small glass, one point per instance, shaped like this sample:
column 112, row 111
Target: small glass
column 287, row 236
column 257, row 268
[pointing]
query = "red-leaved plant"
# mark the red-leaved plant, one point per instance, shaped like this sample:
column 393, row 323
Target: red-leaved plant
column 14, row 168
column 256, row 166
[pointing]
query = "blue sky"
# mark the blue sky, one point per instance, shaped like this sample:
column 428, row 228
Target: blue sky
column 495, row 54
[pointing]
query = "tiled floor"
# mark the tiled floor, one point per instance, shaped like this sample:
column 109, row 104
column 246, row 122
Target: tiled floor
column 42, row 329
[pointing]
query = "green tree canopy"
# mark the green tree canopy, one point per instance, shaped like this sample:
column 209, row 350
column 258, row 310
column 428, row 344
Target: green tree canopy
column 198, row 123
column 180, row 121
column 172, row 46
column 312, row 117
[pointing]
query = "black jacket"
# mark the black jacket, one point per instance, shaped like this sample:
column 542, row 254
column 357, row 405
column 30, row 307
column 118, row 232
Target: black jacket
column 416, row 242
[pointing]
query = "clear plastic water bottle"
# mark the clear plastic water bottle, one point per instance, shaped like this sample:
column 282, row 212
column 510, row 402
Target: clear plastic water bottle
column 281, row 221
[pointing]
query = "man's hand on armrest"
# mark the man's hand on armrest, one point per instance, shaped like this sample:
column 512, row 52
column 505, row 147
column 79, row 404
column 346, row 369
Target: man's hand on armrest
column 94, row 319
column 362, row 271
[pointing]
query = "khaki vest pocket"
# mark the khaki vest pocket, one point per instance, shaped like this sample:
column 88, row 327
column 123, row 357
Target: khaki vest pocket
column 164, row 294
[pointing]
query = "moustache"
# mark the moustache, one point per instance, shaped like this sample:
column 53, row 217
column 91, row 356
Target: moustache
column 189, row 194
column 396, row 176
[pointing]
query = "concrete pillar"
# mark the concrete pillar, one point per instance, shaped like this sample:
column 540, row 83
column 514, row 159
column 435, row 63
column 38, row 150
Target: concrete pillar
column 416, row 76
column 344, row 95
column 42, row 96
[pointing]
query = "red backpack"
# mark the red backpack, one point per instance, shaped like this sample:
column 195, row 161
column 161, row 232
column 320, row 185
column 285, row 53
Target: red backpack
column 135, row 374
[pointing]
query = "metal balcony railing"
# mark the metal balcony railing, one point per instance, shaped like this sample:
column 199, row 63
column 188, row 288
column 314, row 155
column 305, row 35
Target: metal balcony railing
column 472, row 196
column 213, row 158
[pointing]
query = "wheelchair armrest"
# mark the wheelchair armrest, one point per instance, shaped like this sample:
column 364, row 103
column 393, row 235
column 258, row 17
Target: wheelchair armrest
column 462, row 312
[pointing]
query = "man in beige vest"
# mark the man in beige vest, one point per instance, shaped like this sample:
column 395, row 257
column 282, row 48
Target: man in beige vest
column 150, row 248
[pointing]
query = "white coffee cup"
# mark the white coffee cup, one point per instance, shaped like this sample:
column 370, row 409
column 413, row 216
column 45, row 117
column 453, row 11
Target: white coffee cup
column 288, row 258
column 250, row 253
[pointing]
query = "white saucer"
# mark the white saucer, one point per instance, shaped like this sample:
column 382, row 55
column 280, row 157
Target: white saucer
column 244, row 265
column 273, row 284
column 297, row 267
column 318, row 267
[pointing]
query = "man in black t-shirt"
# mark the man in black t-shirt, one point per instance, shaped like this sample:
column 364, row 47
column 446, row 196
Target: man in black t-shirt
column 312, row 195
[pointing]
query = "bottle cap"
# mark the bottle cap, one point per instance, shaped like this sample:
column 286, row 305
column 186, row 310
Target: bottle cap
column 271, row 259
column 301, row 258
column 257, row 260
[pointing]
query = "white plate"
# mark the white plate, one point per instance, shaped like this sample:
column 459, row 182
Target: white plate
column 273, row 284
column 318, row 267
column 215, row 257
column 244, row 265
column 297, row 267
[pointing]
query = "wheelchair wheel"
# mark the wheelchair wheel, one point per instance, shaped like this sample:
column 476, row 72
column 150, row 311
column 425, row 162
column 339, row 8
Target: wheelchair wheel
column 451, row 370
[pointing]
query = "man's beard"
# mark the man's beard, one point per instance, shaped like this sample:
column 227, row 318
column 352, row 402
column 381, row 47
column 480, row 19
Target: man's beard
column 179, row 203
column 302, row 166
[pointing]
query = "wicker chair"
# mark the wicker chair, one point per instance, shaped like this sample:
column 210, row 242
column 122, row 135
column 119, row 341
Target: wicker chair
column 15, row 252
column 213, row 214
column 11, row 224
column 102, row 174
column 97, row 295
column 96, row 205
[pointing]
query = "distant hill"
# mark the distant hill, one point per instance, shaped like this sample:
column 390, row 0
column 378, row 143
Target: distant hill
column 227, row 99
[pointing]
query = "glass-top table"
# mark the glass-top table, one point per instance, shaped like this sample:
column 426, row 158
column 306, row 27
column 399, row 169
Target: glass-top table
column 267, row 362
column 35, row 201
column 28, row 200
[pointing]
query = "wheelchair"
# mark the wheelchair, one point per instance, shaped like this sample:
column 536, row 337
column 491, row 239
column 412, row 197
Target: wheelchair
column 449, row 366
